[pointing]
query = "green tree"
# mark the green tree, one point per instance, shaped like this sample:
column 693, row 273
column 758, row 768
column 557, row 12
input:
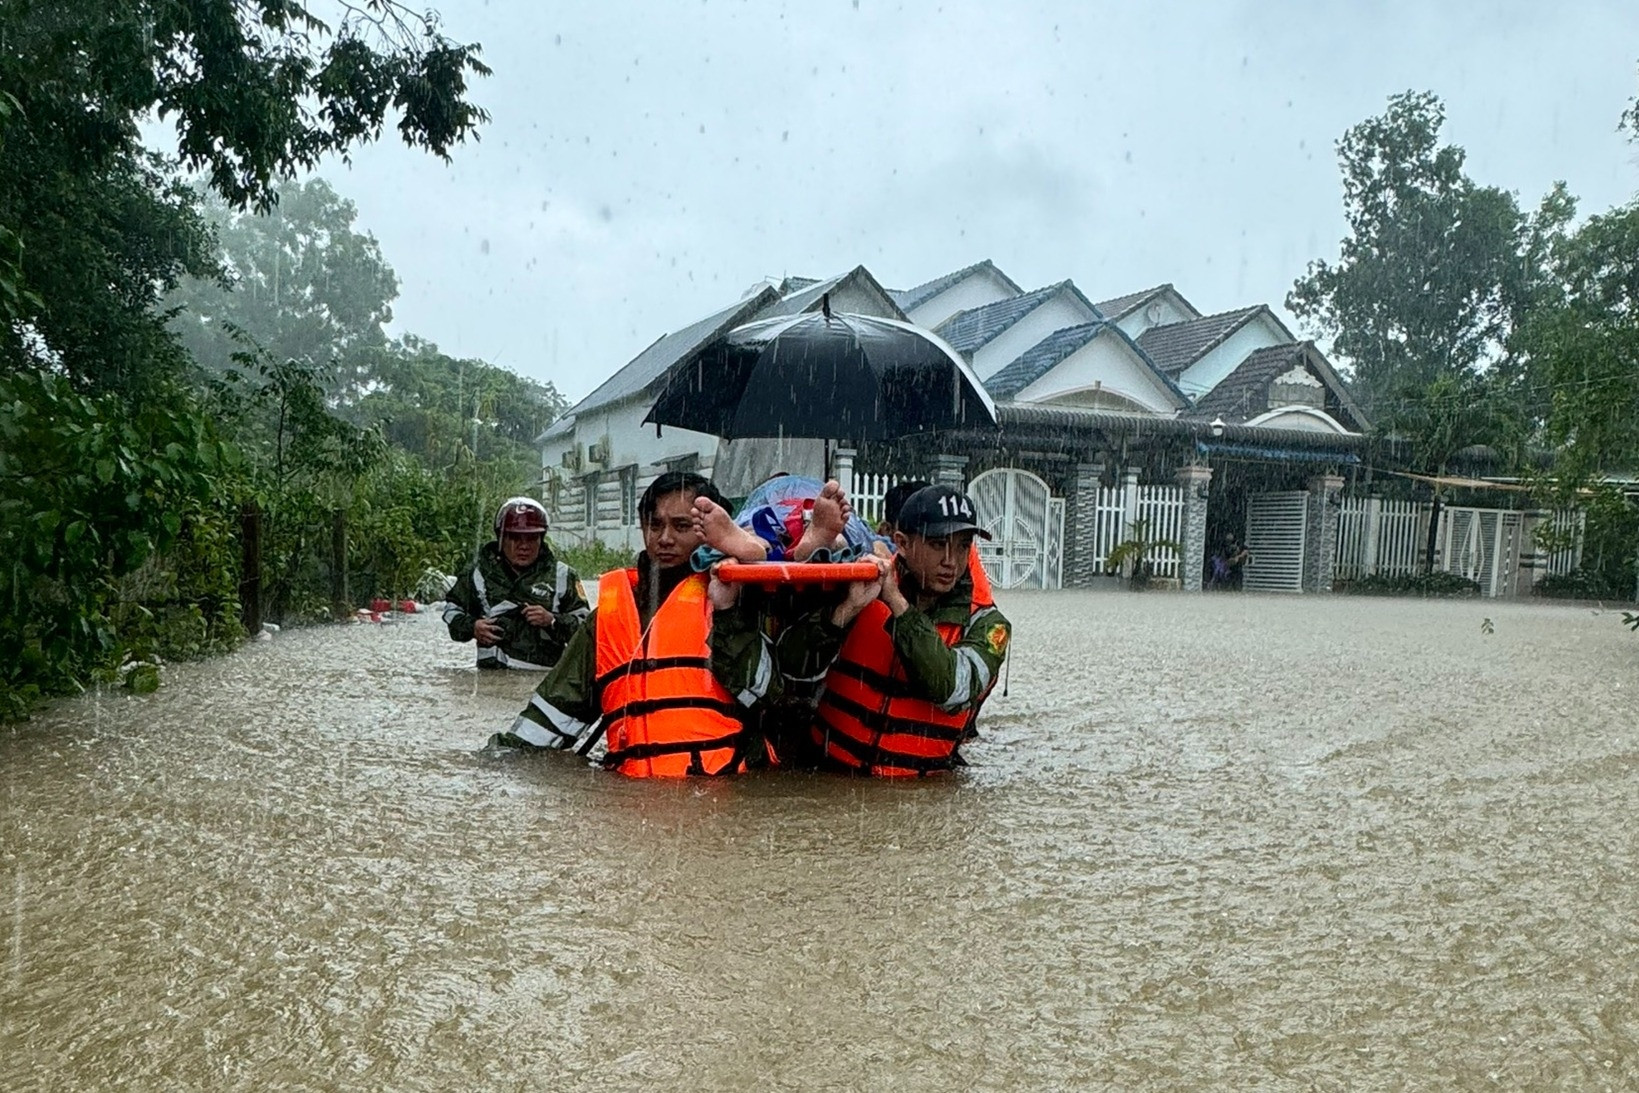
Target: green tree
column 257, row 90
column 1434, row 267
column 298, row 280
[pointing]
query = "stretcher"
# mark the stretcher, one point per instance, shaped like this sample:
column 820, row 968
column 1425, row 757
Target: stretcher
column 771, row 574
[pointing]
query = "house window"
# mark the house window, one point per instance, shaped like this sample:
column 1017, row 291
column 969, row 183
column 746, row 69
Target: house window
column 628, row 496
column 589, row 493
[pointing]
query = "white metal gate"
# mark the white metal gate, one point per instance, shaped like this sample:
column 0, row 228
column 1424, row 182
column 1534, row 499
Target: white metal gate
column 1275, row 525
column 1026, row 523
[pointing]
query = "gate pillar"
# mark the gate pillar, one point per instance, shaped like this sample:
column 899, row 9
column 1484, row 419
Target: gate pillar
column 1320, row 532
column 950, row 470
column 1196, row 482
column 1081, row 525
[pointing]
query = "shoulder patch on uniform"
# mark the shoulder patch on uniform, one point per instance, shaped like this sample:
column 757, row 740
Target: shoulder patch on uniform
column 996, row 638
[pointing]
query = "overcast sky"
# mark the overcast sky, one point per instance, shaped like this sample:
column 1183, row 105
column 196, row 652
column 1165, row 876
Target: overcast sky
column 648, row 162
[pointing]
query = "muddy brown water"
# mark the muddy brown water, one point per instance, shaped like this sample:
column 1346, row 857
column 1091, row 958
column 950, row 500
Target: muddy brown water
column 1206, row 843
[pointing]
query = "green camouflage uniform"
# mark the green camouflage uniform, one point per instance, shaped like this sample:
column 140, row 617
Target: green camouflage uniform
column 570, row 700
column 489, row 588
column 952, row 677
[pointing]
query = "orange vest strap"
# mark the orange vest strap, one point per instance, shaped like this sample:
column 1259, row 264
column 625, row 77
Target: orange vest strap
column 868, row 756
column 643, row 706
column 880, row 721
column 652, row 664
column 696, row 747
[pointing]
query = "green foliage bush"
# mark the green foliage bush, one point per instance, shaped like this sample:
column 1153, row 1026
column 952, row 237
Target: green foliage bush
column 1438, row 583
column 592, row 560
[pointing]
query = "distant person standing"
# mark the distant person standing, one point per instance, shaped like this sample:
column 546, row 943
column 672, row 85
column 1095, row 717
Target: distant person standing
column 517, row 601
column 1229, row 563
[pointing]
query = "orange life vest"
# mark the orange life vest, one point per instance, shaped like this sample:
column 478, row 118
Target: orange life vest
column 868, row 720
column 664, row 713
column 981, row 579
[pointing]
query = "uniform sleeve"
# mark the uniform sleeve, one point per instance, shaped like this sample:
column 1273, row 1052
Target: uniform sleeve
column 461, row 606
column 571, row 609
column 951, row 677
column 806, row 649
column 741, row 655
column 567, row 702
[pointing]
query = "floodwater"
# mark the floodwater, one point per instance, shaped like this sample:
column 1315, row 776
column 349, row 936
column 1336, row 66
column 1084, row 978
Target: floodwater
column 1206, row 843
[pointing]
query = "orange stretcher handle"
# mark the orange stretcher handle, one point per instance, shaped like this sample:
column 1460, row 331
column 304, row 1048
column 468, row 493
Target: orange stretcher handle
column 771, row 573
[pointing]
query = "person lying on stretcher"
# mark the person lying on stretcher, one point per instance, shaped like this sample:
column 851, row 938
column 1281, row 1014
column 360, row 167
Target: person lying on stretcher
column 787, row 518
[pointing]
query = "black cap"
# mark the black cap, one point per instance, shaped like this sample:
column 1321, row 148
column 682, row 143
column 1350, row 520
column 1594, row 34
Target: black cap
column 937, row 512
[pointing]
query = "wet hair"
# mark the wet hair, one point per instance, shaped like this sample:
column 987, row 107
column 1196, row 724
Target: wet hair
column 894, row 500
column 695, row 485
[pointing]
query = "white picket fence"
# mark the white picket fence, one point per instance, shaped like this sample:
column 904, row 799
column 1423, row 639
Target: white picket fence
column 1378, row 536
column 1121, row 506
column 867, row 494
column 1493, row 547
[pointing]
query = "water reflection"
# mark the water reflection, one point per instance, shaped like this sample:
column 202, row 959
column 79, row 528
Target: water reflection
column 1231, row 842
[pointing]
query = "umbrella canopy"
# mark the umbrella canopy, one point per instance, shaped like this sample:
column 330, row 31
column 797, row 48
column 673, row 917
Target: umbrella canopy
column 855, row 377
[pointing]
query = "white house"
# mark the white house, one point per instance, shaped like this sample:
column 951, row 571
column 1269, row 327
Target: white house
column 1090, row 396
column 598, row 458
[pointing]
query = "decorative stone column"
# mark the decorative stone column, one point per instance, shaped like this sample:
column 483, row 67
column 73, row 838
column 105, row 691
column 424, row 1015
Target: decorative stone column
column 1196, row 482
column 950, row 470
column 1081, row 525
column 842, row 468
column 1320, row 532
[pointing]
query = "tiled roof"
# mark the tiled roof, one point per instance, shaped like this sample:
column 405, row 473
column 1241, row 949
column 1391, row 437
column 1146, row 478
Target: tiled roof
column 1176, row 346
column 1117, row 306
column 1046, row 354
column 1244, row 392
column 1039, row 359
column 653, row 363
column 915, row 297
column 970, row 330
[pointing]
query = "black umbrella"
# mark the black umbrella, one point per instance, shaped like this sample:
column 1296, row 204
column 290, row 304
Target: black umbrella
column 824, row 375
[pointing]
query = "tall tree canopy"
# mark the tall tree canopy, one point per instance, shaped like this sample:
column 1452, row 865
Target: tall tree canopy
column 257, row 90
column 1434, row 266
column 300, row 282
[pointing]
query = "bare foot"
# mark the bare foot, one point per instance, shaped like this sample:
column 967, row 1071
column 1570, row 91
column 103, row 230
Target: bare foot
column 831, row 509
column 720, row 531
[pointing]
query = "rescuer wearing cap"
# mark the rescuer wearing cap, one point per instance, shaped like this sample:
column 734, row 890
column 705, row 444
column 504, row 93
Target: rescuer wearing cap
column 518, row 602
column 909, row 658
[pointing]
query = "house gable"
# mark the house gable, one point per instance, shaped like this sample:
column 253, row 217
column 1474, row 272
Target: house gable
column 1260, row 331
column 935, row 301
column 1137, row 312
column 1291, row 385
column 993, row 336
column 1092, row 365
column 855, row 291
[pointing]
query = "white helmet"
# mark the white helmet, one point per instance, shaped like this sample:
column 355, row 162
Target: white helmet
column 521, row 516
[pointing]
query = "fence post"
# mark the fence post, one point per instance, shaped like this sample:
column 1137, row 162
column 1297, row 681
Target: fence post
column 842, row 468
column 340, row 602
column 1129, row 512
column 1368, row 538
column 250, row 568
